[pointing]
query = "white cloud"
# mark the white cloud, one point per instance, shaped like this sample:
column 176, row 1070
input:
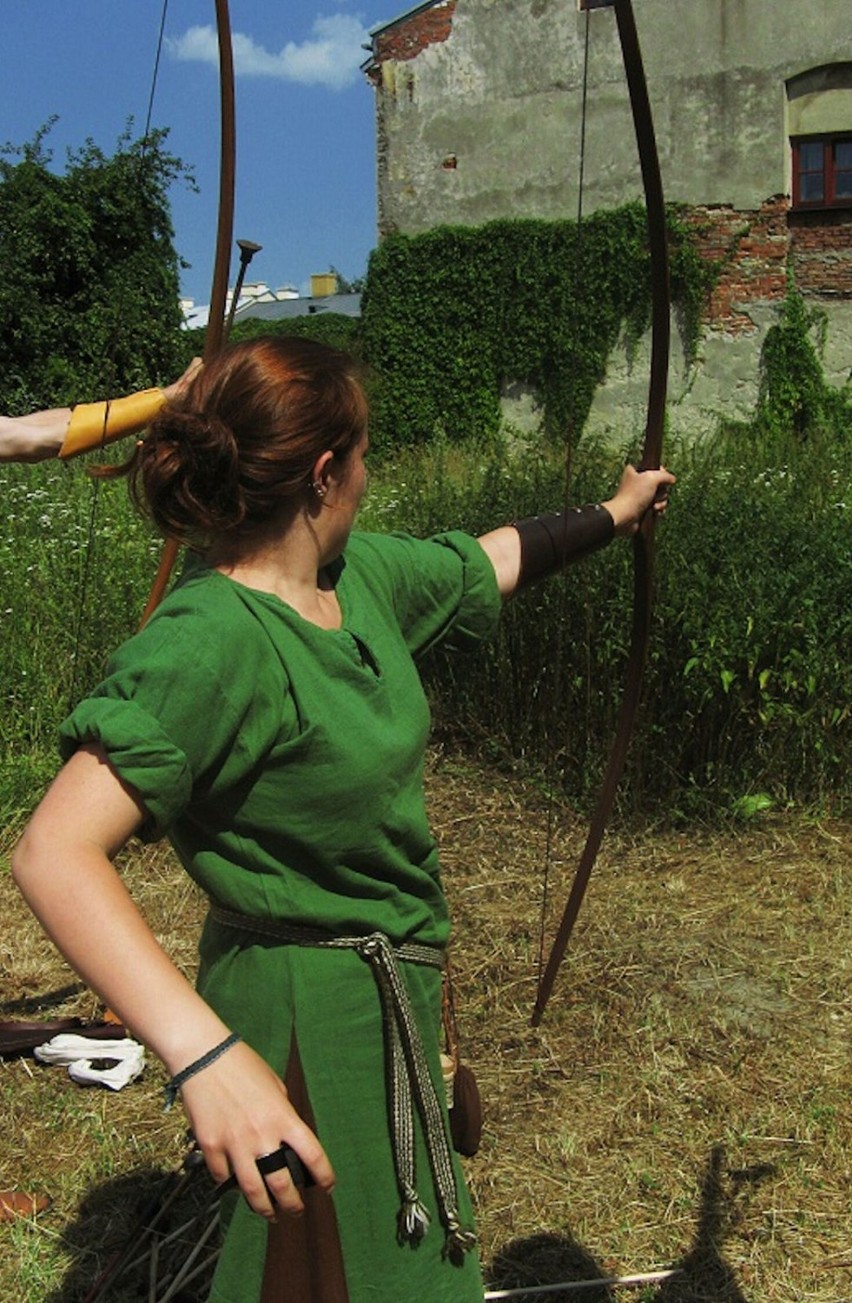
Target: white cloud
column 330, row 57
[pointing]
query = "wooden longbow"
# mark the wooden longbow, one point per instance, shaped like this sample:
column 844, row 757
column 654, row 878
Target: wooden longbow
column 643, row 540
column 215, row 334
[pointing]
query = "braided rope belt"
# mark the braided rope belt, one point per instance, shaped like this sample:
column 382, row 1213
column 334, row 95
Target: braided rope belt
column 408, row 1082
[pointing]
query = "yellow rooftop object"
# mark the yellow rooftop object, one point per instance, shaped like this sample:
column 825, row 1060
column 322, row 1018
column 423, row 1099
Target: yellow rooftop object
column 323, row 284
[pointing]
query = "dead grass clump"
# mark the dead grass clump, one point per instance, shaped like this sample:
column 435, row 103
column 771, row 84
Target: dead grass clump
column 686, row 1101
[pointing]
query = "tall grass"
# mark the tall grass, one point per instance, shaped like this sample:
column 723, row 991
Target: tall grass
column 75, row 561
column 749, row 679
column 756, row 624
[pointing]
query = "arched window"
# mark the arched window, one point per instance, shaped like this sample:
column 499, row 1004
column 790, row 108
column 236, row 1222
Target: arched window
column 819, row 124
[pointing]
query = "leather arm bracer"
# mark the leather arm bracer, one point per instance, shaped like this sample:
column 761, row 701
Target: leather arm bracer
column 94, row 424
column 551, row 542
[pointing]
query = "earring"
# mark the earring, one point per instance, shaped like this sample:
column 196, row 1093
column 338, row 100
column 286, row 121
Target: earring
column 319, row 488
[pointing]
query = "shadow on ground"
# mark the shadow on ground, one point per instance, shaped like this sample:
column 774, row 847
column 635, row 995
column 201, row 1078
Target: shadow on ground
column 703, row 1275
column 114, row 1252
column 36, row 1004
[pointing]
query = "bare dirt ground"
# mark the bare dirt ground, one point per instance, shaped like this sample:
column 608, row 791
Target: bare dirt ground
column 685, row 1104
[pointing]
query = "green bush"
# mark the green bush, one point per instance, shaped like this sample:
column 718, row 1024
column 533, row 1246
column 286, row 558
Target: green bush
column 89, row 293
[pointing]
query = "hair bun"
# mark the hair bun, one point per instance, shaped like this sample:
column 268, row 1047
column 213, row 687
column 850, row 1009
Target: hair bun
column 236, row 451
column 189, row 471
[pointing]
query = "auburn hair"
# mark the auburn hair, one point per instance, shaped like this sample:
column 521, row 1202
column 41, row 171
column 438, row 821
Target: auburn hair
column 241, row 442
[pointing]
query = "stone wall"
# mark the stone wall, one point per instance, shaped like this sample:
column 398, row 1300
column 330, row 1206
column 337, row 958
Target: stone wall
column 499, row 87
column 479, row 117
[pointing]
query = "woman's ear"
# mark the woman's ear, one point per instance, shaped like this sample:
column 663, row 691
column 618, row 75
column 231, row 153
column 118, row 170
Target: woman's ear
column 321, row 473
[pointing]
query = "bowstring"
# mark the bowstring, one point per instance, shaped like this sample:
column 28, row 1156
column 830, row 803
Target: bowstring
column 569, row 444
column 87, row 567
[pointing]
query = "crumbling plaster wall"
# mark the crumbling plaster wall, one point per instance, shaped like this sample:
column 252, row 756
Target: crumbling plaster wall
column 497, row 86
column 478, row 116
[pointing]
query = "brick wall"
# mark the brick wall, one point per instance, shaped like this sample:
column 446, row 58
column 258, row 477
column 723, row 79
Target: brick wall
column 407, row 38
column 753, row 248
column 758, row 248
column 821, row 254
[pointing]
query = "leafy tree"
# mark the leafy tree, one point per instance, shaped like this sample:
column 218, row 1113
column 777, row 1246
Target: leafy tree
column 345, row 286
column 88, row 271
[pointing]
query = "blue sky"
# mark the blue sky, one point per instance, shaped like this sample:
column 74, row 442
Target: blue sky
column 306, row 166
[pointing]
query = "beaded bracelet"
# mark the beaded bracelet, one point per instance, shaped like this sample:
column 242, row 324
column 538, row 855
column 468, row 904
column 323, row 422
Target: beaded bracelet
column 171, row 1088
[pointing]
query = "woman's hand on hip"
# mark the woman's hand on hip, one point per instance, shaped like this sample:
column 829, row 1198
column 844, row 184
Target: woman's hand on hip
column 240, row 1111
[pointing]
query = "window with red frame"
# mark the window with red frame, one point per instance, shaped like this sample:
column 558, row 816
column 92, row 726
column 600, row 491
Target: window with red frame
column 822, row 172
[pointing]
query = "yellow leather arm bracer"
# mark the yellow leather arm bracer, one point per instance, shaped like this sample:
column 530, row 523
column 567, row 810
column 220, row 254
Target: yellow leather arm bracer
column 94, row 424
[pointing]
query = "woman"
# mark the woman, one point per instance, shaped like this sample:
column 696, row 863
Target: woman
column 270, row 720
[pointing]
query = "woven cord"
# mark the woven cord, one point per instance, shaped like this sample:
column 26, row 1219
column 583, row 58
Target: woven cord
column 417, row 1083
column 413, row 1217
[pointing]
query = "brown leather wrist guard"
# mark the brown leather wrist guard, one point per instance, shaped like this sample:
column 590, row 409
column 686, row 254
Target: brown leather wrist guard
column 551, row 542
column 95, row 424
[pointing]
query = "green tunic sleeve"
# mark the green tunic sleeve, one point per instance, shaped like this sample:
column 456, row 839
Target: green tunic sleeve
column 443, row 589
column 188, row 705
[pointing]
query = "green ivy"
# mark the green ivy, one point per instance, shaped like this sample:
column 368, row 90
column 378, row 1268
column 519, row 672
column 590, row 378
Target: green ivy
column 452, row 316
column 692, row 275
column 794, row 397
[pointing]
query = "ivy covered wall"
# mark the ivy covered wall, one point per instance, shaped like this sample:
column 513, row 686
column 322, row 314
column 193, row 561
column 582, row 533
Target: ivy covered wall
column 455, row 315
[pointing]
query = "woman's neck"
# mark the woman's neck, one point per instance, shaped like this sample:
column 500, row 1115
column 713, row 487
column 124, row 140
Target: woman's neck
column 288, row 565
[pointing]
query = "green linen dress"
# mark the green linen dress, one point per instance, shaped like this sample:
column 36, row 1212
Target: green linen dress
column 285, row 764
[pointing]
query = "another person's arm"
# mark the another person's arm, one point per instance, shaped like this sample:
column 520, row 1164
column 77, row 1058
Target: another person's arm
column 35, row 437
column 68, row 431
column 237, row 1106
column 575, row 534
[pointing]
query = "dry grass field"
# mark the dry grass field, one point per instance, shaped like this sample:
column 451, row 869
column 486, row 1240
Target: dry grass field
column 685, row 1104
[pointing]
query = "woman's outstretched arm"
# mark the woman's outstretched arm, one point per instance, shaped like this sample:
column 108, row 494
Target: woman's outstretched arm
column 528, row 551
column 33, row 438
column 67, row 431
